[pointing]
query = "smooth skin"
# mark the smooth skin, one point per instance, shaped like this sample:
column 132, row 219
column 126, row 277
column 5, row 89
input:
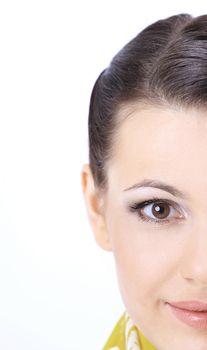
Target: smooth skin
column 162, row 260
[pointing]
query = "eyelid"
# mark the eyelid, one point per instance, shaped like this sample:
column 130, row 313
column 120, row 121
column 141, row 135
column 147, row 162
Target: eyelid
column 142, row 203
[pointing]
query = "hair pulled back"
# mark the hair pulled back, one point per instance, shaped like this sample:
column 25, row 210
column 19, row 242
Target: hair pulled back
column 164, row 64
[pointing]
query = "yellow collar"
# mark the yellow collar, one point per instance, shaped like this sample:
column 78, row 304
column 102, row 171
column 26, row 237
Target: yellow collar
column 126, row 336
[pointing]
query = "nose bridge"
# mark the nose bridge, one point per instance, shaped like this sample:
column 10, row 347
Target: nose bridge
column 194, row 258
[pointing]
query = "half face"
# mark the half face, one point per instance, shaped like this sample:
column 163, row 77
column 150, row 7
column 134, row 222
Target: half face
column 156, row 222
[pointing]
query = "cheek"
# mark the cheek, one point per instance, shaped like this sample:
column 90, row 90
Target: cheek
column 144, row 261
column 138, row 275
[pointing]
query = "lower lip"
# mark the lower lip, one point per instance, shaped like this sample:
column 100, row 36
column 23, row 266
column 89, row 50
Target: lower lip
column 195, row 319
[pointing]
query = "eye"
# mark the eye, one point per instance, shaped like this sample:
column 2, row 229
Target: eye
column 157, row 210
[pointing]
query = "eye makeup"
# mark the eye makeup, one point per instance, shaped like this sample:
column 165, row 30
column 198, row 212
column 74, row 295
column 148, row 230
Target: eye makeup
column 157, row 210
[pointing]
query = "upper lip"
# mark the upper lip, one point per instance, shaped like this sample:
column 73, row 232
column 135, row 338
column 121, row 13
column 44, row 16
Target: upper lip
column 191, row 305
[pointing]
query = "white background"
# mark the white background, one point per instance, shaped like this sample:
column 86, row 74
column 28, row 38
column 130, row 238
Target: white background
column 58, row 289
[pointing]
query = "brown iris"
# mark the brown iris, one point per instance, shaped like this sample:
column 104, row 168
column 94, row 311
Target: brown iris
column 160, row 210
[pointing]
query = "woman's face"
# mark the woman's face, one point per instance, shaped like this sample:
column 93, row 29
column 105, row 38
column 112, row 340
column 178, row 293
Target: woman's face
column 161, row 256
column 160, row 247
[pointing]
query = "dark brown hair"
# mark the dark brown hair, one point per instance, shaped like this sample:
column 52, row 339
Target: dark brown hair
column 164, row 64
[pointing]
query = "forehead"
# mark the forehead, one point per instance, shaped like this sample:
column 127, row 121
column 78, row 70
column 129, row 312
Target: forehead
column 161, row 143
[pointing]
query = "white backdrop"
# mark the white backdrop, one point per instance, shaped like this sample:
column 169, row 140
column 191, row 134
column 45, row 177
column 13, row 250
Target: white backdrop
column 58, row 289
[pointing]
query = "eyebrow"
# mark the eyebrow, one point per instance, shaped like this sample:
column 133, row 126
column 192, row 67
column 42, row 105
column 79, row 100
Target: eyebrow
column 158, row 184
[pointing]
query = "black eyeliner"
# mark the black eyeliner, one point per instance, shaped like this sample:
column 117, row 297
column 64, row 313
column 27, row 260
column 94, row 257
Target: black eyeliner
column 140, row 205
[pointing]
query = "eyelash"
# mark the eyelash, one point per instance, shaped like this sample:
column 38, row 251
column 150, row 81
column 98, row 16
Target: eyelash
column 138, row 206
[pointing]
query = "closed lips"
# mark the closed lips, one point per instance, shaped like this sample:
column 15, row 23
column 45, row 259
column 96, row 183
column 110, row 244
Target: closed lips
column 192, row 313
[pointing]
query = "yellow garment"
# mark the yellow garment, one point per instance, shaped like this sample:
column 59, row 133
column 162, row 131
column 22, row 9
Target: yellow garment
column 126, row 336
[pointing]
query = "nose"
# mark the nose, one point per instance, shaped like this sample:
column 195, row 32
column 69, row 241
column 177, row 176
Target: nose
column 193, row 266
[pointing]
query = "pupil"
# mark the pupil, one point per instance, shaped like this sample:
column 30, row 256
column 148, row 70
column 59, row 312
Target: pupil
column 160, row 210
